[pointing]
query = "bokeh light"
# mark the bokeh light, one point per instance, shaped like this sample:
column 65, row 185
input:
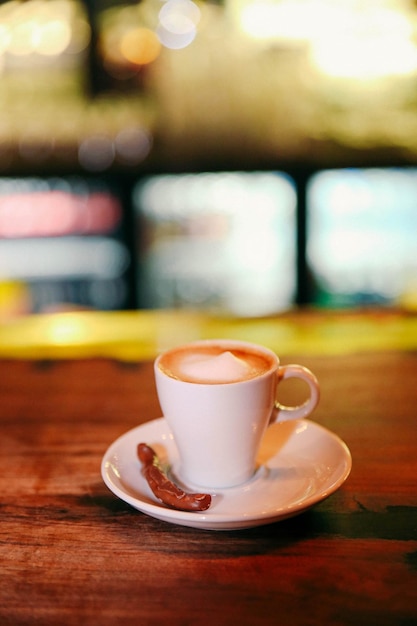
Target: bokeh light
column 140, row 46
column 178, row 20
column 361, row 40
column 96, row 153
column 45, row 27
column 133, row 145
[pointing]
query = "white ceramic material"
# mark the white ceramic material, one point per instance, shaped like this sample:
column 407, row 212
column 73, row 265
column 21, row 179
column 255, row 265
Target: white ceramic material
column 218, row 428
column 299, row 464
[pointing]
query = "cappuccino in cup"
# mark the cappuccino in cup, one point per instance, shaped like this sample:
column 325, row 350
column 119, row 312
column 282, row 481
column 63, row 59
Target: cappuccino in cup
column 215, row 364
column 218, row 398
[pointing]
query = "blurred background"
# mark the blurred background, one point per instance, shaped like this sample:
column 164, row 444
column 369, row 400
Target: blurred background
column 238, row 156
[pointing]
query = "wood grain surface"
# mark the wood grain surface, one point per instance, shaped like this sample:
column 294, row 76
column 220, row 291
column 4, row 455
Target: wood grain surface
column 72, row 553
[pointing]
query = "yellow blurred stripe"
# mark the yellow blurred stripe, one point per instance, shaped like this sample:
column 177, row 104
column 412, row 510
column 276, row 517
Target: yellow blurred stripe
column 139, row 335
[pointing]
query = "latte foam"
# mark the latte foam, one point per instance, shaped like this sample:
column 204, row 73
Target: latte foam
column 214, row 364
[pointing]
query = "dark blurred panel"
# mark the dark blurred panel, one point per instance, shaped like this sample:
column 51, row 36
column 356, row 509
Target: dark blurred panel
column 62, row 245
column 221, row 241
column 362, row 236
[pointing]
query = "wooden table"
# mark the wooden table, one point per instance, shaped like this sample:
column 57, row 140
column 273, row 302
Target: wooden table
column 72, row 553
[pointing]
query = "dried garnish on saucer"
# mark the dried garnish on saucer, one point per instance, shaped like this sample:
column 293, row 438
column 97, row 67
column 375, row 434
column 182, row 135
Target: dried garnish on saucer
column 164, row 489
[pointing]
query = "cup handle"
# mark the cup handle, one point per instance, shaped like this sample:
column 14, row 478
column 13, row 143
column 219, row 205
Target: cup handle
column 297, row 412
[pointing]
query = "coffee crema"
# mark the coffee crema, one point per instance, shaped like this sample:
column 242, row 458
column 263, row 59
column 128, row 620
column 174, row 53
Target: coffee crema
column 214, row 363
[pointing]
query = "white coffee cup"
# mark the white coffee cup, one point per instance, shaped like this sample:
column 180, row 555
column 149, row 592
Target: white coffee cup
column 218, row 405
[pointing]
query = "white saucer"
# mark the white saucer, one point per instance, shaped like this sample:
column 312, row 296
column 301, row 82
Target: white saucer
column 300, row 464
